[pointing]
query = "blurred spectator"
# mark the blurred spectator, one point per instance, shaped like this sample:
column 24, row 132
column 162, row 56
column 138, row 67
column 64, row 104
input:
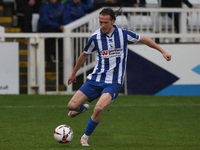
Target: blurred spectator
column 51, row 20
column 105, row 3
column 61, row 1
column 176, row 4
column 87, row 5
column 25, row 9
column 75, row 9
column 51, row 16
column 54, row 15
column 132, row 3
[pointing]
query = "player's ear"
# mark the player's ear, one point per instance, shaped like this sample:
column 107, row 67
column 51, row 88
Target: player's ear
column 113, row 21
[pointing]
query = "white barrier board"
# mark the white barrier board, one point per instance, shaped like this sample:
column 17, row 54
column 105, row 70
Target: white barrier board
column 9, row 68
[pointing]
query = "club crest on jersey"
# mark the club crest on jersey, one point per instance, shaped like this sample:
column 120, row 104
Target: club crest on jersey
column 111, row 53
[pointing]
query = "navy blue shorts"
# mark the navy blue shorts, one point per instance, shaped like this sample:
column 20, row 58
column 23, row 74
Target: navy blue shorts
column 93, row 89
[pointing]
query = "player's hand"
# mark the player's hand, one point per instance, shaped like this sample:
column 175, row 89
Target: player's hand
column 167, row 56
column 72, row 79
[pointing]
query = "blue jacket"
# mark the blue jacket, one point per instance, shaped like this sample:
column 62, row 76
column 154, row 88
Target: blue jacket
column 73, row 11
column 51, row 15
column 88, row 5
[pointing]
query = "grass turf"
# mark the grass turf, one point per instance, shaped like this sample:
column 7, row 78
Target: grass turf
column 130, row 122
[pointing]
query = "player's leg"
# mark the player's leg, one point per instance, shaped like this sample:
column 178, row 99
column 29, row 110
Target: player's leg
column 76, row 105
column 94, row 120
column 88, row 91
column 109, row 93
column 102, row 103
column 77, row 100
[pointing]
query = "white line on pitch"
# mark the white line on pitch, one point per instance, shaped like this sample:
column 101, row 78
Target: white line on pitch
column 112, row 105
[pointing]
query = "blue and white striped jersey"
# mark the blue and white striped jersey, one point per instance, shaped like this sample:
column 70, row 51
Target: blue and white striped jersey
column 111, row 52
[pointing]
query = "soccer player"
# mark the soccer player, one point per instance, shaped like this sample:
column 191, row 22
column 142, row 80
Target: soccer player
column 105, row 82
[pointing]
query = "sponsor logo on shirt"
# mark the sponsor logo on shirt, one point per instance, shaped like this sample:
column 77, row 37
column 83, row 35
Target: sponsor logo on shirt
column 112, row 53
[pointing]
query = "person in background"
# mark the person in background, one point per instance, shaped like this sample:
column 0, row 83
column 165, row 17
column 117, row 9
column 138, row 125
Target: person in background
column 176, row 4
column 132, row 3
column 61, row 1
column 87, row 5
column 51, row 17
column 106, row 3
column 51, row 20
column 75, row 9
column 25, row 9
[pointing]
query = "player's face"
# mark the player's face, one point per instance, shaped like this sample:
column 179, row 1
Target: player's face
column 106, row 24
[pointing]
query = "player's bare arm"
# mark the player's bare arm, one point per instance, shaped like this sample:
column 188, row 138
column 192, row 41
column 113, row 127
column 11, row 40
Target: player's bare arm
column 81, row 60
column 152, row 44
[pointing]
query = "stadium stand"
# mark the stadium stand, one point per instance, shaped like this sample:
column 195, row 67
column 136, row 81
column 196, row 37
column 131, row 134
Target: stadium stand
column 50, row 74
column 6, row 21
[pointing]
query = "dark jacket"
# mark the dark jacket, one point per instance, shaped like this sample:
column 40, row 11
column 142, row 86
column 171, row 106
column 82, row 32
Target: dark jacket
column 175, row 3
column 73, row 11
column 130, row 3
column 51, row 15
column 22, row 6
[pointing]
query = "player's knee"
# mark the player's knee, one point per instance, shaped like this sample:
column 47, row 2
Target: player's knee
column 71, row 106
column 98, row 109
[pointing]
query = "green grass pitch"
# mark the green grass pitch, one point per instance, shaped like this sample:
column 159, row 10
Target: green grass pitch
column 129, row 123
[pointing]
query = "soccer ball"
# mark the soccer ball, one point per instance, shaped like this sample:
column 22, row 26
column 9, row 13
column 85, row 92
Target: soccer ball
column 63, row 134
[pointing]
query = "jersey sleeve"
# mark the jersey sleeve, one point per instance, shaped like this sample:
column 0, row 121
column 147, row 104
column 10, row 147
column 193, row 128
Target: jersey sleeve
column 132, row 37
column 90, row 46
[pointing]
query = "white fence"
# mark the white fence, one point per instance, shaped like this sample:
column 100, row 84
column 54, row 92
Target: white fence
column 149, row 22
